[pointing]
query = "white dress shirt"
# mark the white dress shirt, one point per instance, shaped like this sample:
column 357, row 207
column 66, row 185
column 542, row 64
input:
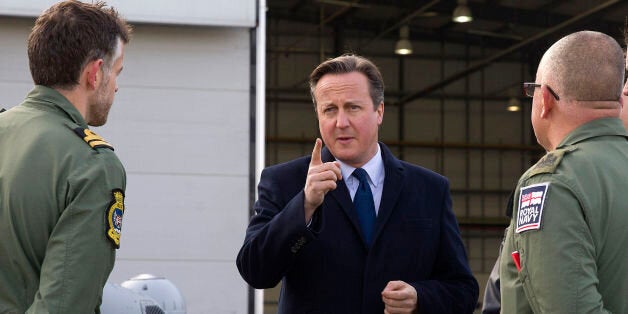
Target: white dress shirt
column 375, row 170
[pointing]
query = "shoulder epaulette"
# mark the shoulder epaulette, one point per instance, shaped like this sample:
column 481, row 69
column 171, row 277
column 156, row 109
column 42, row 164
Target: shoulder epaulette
column 92, row 139
column 550, row 161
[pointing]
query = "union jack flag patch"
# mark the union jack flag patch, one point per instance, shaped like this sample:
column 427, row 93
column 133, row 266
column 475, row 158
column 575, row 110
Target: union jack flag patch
column 530, row 211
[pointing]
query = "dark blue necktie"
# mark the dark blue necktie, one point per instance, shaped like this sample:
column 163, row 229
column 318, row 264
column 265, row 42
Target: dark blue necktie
column 364, row 204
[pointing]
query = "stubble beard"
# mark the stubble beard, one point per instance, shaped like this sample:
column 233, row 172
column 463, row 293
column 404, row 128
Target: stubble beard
column 100, row 106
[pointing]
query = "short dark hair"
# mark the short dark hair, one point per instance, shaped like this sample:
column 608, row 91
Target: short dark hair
column 71, row 34
column 348, row 63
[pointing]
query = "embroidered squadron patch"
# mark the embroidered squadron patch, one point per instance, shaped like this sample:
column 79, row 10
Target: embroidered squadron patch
column 530, row 210
column 113, row 217
column 92, row 139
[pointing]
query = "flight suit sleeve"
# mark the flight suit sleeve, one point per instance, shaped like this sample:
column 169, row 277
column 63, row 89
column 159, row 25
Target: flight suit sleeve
column 80, row 253
column 558, row 261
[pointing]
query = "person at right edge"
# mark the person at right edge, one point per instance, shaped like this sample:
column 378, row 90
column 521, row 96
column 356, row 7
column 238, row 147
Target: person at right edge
column 61, row 185
column 565, row 248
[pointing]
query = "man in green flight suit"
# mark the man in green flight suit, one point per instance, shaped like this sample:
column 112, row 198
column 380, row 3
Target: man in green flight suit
column 61, row 185
column 565, row 249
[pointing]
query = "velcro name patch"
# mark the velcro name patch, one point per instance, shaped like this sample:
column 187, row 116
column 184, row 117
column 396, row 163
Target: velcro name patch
column 113, row 217
column 530, row 211
column 92, row 139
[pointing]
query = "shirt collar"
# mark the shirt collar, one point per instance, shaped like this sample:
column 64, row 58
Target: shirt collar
column 374, row 167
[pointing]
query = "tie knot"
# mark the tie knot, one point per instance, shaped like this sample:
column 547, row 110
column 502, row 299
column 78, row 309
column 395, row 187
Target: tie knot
column 361, row 175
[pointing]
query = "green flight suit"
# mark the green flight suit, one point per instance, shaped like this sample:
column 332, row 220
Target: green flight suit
column 61, row 206
column 574, row 254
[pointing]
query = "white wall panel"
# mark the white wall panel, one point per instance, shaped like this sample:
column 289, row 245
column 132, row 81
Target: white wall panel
column 186, row 218
column 13, row 93
column 181, row 127
column 189, row 12
column 166, row 57
column 15, row 78
column 180, row 131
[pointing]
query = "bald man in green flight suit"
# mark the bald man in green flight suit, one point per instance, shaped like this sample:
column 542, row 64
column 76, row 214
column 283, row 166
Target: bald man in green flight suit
column 565, row 248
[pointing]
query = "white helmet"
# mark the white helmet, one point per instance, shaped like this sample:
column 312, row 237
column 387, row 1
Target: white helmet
column 120, row 300
column 160, row 289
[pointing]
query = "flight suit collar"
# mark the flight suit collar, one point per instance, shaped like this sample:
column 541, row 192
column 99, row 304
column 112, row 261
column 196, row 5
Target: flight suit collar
column 594, row 128
column 42, row 96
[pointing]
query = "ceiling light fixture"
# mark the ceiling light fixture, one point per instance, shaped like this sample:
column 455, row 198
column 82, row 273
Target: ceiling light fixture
column 403, row 46
column 514, row 104
column 462, row 13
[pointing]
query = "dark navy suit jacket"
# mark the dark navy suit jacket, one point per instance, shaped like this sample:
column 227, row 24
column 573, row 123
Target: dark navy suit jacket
column 327, row 267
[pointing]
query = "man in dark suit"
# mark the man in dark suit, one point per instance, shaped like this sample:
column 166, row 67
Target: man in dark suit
column 380, row 239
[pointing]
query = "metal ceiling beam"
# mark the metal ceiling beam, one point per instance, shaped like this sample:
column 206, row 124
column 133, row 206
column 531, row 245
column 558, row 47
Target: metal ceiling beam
column 482, row 64
column 541, row 17
column 552, row 4
column 302, row 95
column 424, row 35
column 413, row 56
column 344, row 4
column 403, row 21
column 527, row 17
column 520, row 17
column 324, row 21
column 296, row 5
column 338, row 13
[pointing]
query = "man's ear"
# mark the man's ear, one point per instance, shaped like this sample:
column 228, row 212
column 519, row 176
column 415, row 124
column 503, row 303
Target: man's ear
column 380, row 113
column 547, row 102
column 92, row 72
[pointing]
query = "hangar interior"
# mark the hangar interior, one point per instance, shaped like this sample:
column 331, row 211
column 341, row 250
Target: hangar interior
column 454, row 104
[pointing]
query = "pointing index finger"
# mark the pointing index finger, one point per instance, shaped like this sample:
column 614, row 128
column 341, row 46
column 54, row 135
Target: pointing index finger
column 316, row 153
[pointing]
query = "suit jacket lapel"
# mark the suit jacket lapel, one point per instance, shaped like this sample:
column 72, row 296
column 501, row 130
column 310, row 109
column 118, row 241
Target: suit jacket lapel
column 393, row 184
column 341, row 196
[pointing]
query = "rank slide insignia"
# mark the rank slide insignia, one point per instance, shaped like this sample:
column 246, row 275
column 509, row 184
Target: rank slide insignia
column 113, row 217
column 530, row 210
column 92, row 139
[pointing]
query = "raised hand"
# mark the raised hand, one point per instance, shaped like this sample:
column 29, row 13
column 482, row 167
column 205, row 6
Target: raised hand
column 321, row 178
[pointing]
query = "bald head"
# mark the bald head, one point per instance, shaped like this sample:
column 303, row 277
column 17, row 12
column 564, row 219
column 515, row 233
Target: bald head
column 585, row 66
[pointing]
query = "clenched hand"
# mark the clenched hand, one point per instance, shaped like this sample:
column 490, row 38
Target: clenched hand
column 400, row 298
